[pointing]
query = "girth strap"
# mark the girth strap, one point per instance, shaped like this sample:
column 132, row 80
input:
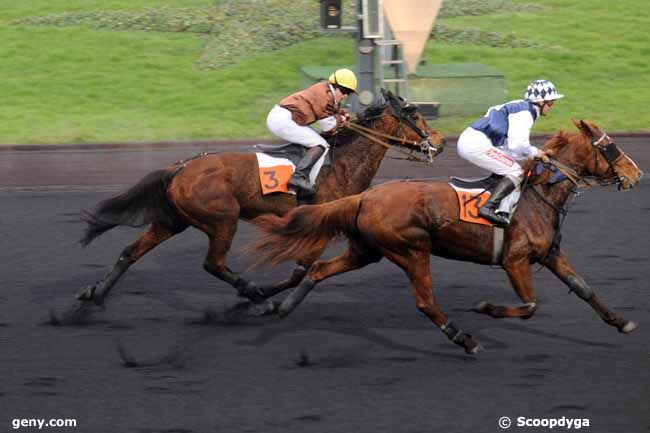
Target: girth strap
column 497, row 245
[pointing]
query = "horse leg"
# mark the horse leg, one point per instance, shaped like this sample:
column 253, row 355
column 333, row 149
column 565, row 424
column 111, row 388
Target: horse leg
column 154, row 235
column 560, row 266
column 296, row 277
column 521, row 279
column 261, row 293
column 355, row 258
column 416, row 265
column 221, row 236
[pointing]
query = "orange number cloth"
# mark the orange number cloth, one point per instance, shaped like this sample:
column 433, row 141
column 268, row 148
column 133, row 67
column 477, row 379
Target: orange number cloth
column 469, row 202
column 274, row 179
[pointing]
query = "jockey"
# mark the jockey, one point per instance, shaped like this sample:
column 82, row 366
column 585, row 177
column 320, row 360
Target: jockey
column 320, row 102
column 501, row 138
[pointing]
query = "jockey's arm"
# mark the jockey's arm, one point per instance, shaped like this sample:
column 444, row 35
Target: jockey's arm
column 519, row 126
column 329, row 124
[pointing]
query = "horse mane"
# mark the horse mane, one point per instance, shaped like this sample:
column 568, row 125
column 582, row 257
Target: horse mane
column 558, row 141
column 345, row 136
column 554, row 144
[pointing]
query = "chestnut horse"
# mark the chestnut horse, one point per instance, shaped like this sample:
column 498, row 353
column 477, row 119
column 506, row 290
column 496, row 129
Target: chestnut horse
column 407, row 221
column 212, row 192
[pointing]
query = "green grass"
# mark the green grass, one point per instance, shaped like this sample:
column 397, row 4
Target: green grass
column 595, row 51
column 12, row 10
column 76, row 84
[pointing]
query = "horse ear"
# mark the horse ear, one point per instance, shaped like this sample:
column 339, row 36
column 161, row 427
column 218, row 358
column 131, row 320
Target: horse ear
column 589, row 129
column 385, row 96
column 584, row 127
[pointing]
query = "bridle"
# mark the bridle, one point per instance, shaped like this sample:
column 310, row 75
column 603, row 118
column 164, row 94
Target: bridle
column 612, row 154
column 423, row 146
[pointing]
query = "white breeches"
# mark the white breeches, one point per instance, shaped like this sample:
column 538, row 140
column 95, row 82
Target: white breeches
column 476, row 147
column 281, row 124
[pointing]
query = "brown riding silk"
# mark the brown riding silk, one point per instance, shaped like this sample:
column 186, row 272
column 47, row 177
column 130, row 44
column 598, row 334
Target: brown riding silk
column 314, row 103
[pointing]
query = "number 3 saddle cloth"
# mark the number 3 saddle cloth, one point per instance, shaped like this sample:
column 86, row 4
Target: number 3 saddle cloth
column 278, row 162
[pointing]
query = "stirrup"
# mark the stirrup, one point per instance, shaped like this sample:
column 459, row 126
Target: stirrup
column 496, row 218
column 302, row 184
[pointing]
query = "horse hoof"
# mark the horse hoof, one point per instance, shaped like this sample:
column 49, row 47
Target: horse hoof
column 252, row 293
column 628, row 327
column 73, row 315
column 473, row 347
column 284, row 309
column 481, row 307
column 86, row 294
column 265, row 308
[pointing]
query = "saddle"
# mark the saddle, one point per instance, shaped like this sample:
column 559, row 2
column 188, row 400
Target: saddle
column 275, row 162
column 291, row 151
column 485, row 183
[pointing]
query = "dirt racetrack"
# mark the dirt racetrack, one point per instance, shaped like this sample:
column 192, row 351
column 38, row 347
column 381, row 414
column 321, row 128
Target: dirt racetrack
column 172, row 354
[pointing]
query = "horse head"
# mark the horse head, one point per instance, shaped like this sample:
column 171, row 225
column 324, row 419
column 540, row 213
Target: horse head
column 395, row 117
column 593, row 153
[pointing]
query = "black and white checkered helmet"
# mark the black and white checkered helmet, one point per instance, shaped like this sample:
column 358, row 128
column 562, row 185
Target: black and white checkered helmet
column 541, row 90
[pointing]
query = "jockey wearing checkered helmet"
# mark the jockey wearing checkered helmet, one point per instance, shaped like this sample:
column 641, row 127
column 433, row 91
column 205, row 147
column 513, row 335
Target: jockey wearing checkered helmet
column 500, row 139
column 542, row 93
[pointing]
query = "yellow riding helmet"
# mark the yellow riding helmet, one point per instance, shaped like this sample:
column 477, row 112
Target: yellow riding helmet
column 344, row 78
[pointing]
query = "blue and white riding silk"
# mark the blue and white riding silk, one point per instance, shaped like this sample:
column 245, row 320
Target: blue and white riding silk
column 508, row 127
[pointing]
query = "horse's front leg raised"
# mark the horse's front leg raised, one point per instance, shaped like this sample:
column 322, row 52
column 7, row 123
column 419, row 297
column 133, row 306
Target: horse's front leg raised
column 560, row 266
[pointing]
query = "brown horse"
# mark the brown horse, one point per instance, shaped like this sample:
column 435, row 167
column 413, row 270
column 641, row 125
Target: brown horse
column 212, row 192
column 407, row 221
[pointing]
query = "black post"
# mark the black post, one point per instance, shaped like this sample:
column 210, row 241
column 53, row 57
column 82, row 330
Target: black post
column 365, row 56
column 330, row 14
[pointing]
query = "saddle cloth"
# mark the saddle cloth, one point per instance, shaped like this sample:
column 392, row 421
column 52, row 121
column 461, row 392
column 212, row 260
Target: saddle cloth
column 469, row 200
column 277, row 164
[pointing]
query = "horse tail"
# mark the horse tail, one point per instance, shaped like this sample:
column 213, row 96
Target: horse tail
column 144, row 203
column 304, row 229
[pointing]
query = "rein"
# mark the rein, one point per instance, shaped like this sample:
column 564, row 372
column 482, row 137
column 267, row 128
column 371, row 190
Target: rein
column 611, row 154
column 560, row 211
column 372, row 134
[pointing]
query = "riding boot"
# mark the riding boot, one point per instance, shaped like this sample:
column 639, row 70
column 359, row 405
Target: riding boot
column 300, row 179
column 488, row 210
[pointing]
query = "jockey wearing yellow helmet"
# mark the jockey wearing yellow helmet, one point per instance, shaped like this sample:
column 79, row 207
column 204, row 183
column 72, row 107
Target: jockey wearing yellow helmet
column 320, row 103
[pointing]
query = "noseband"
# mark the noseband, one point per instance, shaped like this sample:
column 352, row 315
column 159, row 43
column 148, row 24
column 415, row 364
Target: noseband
column 426, row 147
column 611, row 153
